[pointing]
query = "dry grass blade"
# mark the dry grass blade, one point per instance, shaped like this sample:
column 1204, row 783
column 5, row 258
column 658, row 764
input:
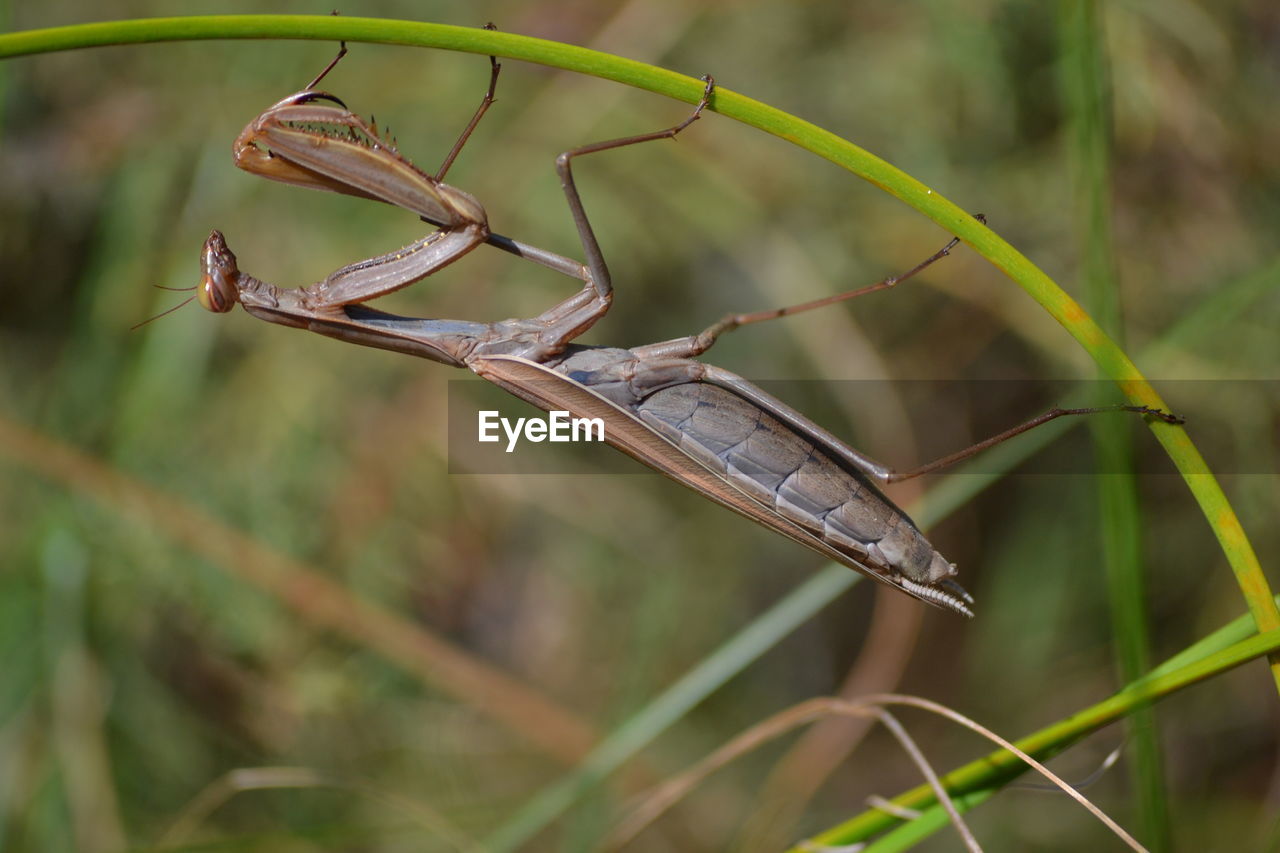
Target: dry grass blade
column 912, row 749
column 961, row 719
column 802, row 771
column 672, row 791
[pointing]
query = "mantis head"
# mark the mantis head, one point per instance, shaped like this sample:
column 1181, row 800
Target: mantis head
column 218, row 291
column 219, row 287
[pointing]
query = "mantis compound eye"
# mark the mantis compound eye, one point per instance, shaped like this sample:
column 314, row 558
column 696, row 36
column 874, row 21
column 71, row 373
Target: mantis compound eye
column 217, row 289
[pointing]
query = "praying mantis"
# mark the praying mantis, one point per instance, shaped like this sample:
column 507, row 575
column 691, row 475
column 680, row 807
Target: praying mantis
column 699, row 424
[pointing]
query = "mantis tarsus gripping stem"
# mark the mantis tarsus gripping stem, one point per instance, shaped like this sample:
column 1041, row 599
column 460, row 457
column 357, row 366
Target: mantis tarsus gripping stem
column 485, row 103
column 342, row 51
column 700, row 343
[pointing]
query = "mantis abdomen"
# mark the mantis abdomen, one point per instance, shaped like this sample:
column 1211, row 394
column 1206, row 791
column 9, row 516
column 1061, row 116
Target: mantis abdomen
column 773, row 464
column 724, row 437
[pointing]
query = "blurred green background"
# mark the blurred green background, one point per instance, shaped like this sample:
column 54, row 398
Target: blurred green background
column 226, row 545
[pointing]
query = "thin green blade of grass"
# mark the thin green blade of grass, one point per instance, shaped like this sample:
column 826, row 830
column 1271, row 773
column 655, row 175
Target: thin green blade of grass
column 935, row 818
column 998, row 767
column 1112, row 360
column 1086, row 87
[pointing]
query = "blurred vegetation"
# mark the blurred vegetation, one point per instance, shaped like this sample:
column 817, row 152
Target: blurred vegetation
column 227, row 546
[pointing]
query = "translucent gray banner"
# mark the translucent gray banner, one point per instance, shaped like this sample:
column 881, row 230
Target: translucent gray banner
column 1234, row 423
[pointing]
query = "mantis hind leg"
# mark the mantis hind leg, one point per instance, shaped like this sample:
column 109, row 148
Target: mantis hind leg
column 697, row 344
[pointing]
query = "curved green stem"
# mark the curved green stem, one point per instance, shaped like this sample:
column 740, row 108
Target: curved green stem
column 951, row 217
column 999, row 767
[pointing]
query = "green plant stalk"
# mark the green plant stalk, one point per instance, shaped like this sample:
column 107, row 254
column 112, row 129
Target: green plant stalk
column 952, row 218
column 997, row 768
column 934, row 818
column 1086, row 87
